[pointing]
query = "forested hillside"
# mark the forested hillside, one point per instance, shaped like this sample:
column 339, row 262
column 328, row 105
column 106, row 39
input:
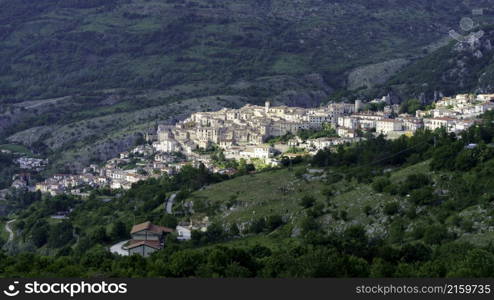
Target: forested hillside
column 418, row 206
column 55, row 48
column 455, row 68
column 114, row 68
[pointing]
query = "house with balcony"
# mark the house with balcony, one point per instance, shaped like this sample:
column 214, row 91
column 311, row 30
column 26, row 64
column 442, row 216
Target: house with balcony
column 147, row 238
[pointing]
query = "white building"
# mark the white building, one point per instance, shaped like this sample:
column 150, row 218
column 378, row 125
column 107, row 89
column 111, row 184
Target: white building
column 388, row 125
column 183, row 233
column 348, row 122
column 346, row 132
column 411, row 124
column 436, row 123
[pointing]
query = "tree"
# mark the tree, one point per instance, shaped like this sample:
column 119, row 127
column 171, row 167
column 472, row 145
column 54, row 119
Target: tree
column 466, row 160
column 444, row 158
column 184, row 263
column 119, row 231
column 60, row 235
column 273, row 222
column 413, row 182
column 258, row 225
column 380, row 183
column 322, row 158
column 355, row 241
column 411, row 106
column 415, row 252
column 235, row 270
column 435, row 234
column 397, row 231
column 169, row 221
column 308, row 224
column 99, row 235
column 39, row 234
column 215, row 233
column 478, row 263
column 391, row 208
column 307, row 201
column 423, row 196
column 234, row 231
column 381, row 268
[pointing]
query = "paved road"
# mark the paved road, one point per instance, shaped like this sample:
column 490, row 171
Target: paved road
column 169, row 204
column 117, row 248
column 9, row 230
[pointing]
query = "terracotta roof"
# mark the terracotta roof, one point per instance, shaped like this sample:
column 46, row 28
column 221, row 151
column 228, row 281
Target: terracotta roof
column 152, row 244
column 150, row 227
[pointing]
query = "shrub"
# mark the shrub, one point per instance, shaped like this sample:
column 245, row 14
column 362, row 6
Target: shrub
column 423, row 196
column 307, row 201
column 380, row 183
column 391, row 208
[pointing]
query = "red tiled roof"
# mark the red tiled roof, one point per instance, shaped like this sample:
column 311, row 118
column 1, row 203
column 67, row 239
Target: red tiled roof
column 152, row 244
column 150, row 227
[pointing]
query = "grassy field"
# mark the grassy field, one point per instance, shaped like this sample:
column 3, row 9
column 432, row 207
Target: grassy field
column 16, row 149
column 258, row 195
column 4, row 235
column 273, row 241
column 401, row 174
column 279, row 192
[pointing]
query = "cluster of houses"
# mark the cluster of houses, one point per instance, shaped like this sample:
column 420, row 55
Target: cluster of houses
column 457, row 113
column 30, row 163
column 242, row 134
column 118, row 173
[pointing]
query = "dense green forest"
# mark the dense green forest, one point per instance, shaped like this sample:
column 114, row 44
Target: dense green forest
column 455, row 68
column 80, row 81
column 7, row 170
column 437, row 220
column 55, row 48
column 83, row 80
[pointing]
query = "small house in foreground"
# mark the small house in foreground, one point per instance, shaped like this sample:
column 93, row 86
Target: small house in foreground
column 147, row 238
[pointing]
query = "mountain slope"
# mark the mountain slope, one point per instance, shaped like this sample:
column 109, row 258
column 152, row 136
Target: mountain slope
column 55, row 48
column 426, row 212
column 83, row 60
column 455, row 68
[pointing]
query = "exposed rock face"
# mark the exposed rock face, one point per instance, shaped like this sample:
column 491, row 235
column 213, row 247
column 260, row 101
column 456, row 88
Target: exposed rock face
column 308, row 90
column 460, row 67
column 12, row 115
column 100, row 151
column 301, row 98
column 375, row 74
column 471, row 58
column 99, row 139
column 30, row 136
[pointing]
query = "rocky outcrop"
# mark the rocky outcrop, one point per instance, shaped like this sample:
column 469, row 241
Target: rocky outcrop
column 301, row 98
column 460, row 67
column 309, row 90
column 375, row 74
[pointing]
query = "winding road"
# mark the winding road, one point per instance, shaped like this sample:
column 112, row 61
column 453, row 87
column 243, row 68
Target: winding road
column 169, row 204
column 9, row 230
column 118, row 248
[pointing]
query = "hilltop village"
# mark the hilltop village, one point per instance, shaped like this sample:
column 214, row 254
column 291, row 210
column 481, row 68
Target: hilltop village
column 262, row 136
